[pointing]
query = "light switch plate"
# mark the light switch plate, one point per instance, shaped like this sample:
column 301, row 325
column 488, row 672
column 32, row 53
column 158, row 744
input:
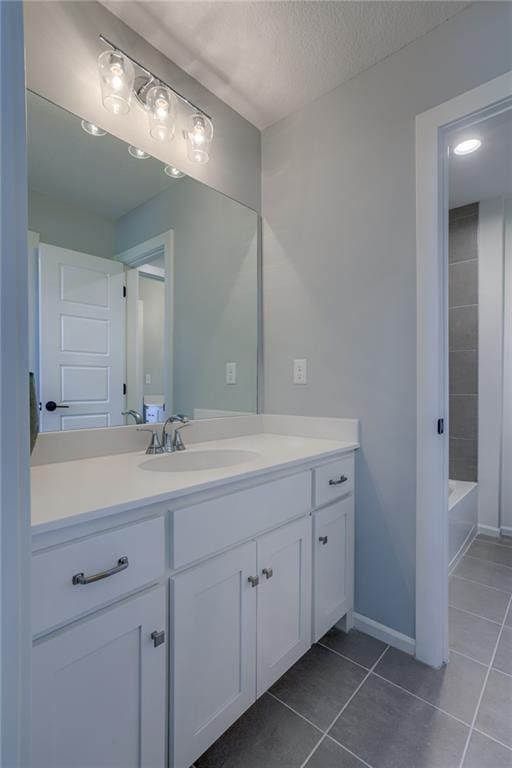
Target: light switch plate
column 230, row 373
column 300, row 371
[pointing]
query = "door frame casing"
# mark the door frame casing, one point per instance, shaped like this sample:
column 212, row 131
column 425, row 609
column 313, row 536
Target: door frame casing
column 432, row 128
column 132, row 258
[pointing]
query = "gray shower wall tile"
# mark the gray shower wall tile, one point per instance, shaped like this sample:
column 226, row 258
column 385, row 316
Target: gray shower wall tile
column 463, row 283
column 463, row 327
column 463, row 211
column 463, row 239
column 463, row 372
column 464, row 417
column 463, row 459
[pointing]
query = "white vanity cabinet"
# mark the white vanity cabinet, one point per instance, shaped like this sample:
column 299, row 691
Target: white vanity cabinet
column 99, row 690
column 240, row 620
column 333, row 558
column 253, row 572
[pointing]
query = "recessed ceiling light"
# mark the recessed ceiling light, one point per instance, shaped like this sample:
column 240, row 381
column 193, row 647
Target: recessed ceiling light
column 92, row 129
column 467, row 147
column 173, row 172
column 137, row 153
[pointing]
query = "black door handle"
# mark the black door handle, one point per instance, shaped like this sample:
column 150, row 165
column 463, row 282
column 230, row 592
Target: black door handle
column 51, row 405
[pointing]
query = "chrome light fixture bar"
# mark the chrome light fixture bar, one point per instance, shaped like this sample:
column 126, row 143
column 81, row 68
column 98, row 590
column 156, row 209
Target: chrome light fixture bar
column 141, row 84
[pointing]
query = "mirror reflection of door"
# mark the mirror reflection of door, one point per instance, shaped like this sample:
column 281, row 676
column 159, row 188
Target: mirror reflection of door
column 81, row 340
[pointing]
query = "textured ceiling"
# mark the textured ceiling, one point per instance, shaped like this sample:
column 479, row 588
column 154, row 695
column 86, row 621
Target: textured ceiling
column 267, row 59
column 486, row 173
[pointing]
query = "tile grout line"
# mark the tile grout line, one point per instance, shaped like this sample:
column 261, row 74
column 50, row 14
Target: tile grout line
column 470, row 658
column 295, row 712
column 479, row 702
column 415, row 695
column 481, row 583
column 492, row 738
column 360, row 759
column 350, row 698
column 476, row 615
column 337, row 653
column 489, row 562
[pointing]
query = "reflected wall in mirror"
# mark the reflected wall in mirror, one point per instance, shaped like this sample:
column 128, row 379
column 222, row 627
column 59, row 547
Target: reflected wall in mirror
column 143, row 286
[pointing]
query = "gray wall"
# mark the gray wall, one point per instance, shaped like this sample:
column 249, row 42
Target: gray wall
column 338, row 189
column 152, row 294
column 463, row 341
column 62, row 47
column 60, row 223
column 215, row 291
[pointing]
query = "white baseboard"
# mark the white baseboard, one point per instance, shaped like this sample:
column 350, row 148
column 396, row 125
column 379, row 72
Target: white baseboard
column 463, row 549
column 386, row 634
column 506, row 530
column 489, row 530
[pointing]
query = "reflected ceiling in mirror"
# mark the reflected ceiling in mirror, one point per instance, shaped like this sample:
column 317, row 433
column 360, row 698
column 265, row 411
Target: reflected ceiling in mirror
column 144, row 284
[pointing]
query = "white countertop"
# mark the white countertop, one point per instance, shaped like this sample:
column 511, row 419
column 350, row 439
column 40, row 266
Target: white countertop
column 70, row 492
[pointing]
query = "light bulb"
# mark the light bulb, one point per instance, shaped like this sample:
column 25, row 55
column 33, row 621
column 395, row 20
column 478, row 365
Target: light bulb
column 116, row 77
column 92, row 129
column 173, row 172
column 467, row 147
column 137, row 153
column 199, row 138
column 162, row 108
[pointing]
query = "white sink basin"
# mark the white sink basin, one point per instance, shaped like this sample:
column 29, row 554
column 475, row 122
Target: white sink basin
column 193, row 461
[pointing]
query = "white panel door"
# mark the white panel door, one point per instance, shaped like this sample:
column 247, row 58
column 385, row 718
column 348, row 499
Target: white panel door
column 213, row 653
column 99, row 690
column 81, row 339
column 284, row 600
column 333, row 565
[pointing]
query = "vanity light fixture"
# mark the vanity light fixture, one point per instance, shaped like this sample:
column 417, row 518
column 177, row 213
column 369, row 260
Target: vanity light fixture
column 117, row 76
column 162, row 106
column 137, row 153
column 467, row 147
column 173, row 172
column 92, row 129
column 122, row 76
column 199, row 138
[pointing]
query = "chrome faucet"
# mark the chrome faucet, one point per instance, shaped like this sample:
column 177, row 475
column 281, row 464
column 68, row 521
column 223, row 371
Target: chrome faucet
column 155, row 446
column 174, row 441
column 135, row 414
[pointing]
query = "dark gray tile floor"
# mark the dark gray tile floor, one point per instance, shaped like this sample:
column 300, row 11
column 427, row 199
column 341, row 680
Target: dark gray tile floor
column 352, row 701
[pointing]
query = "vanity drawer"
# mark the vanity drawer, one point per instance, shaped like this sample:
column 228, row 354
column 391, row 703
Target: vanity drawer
column 209, row 527
column 334, row 479
column 56, row 599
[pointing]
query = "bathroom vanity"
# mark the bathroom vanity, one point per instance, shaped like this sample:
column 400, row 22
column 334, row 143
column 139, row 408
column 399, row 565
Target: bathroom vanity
column 170, row 592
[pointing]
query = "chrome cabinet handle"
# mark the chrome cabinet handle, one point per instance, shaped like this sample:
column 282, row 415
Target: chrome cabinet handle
column 253, row 581
column 339, row 481
column 158, row 638
column 268, row 572
column 81, row 578
column 323, row 539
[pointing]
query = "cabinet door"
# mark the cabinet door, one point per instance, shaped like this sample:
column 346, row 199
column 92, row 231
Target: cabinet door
column 284, row 600
column 333, row 565
column 99, row 690
column 213, row 667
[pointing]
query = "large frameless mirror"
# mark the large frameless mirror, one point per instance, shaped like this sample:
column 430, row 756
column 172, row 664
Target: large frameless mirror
column 143, row 283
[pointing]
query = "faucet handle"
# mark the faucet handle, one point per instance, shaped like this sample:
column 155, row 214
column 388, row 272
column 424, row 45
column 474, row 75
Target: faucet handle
column 155, row 446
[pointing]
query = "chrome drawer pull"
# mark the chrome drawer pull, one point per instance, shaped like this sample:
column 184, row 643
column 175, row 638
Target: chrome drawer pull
column 268, row 572
column 339, row 481
column 253, row 581
column 323, row 539
column 81, row 578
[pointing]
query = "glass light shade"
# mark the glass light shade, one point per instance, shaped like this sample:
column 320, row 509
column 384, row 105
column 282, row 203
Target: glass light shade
column 116, row 77
column 137, row 153
column 91, row 129
column 162, row 109
column 199, row 138
column 173, row 172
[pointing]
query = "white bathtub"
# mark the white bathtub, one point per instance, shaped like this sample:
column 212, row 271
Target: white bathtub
column 462, row 515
